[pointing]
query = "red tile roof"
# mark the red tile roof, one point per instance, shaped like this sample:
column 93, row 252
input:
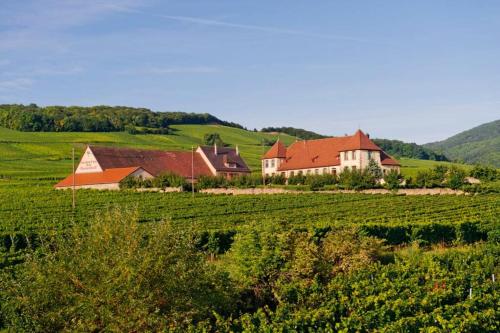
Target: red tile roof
column 154, row 161
column 358, row 141
column 325, row 152
column 387, row 160
column 109, row 176
column 278, row 150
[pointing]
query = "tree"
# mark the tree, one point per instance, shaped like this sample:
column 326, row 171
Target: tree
column 374, row 169
column 211, row 139
column 392, row 179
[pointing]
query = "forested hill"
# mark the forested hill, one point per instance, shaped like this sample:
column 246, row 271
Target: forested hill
column 296, row 132
column 398, row 149
column 480, row 144
column 32, row 118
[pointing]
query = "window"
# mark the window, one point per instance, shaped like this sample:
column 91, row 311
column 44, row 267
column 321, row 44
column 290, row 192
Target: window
column 354, row 167
column 292, row 173
column 300, row 173
column 283, row 174
column 334, row 171
column 267, row 164
column 316, row 171
column 272, row 163
column 308, row 172
column 353, row 153
column 369, row 154
column 346, row 156
column 325, row 170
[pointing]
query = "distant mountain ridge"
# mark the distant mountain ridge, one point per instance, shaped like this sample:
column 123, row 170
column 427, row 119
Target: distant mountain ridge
column 480, row 144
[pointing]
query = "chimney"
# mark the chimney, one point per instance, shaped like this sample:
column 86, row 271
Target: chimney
column 215, row 148
column 368, row 135
column 237, row 150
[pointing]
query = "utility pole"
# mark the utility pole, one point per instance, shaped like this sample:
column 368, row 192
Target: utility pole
column 192, row 172
column 74, row 181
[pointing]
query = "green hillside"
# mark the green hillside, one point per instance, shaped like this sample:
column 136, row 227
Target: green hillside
column 48, row 154
column 480, row 144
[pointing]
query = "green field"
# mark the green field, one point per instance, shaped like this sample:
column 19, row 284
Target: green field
column 48, row 154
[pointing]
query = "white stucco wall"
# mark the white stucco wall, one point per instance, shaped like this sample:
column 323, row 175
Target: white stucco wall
column 272, row 166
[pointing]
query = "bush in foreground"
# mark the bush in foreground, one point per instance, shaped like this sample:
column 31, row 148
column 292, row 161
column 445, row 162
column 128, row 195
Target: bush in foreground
column 113, row 276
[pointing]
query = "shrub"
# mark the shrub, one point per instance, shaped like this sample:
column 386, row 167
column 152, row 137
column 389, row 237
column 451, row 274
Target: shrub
column 392, row 180
column 356, row 179
column 169, row 180
column 455, row 178
column 484, row 173
column 112, row 275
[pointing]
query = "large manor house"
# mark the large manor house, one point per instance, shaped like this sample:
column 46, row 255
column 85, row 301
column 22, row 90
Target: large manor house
column 106, row 167
column 322, row 156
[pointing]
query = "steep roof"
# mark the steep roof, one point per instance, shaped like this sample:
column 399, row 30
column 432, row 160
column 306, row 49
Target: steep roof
column 326, row 152
column 358, row 141
column 225, row 155
column 278, row 150
column 109, row 176
column 387, row 160
column 153, row 161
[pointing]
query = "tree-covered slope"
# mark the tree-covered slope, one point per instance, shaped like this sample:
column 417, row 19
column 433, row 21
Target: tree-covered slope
column 400, row 149
column 480, row 144
column 100, row 118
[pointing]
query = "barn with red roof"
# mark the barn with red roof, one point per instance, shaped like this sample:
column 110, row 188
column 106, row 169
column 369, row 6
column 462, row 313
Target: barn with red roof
column 105, row 167
column 328, row 155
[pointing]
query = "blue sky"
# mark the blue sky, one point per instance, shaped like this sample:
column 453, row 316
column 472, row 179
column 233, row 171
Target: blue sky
column 418, row 71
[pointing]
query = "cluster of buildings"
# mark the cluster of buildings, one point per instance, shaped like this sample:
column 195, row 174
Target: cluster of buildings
column 106, row 167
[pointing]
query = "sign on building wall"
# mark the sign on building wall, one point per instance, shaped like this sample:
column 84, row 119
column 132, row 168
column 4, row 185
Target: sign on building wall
column 88, row 163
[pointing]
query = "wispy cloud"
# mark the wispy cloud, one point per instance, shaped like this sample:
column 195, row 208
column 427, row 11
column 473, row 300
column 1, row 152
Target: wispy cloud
column 171, row 70
column 16, row 84
column 276, row 30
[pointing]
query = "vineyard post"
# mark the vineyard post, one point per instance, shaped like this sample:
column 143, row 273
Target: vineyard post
column 73, row 187
column 470, row 292
column 192, row 172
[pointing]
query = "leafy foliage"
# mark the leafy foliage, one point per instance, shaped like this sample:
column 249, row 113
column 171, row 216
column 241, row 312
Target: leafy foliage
column 410, row 150
column 161, row 181
column 32, row 118
column 211, row 139
column 113, row 275
column 480, row 144
column 296, row 132
column 485, row 173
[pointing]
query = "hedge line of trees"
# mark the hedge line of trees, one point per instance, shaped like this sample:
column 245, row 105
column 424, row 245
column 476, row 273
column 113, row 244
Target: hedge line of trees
column 32, row 118
column 297, row 132
column 398, row 148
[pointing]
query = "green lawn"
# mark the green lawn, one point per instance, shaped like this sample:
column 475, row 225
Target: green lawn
column 48, row 154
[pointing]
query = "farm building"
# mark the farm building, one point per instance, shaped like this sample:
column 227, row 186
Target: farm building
column 329, row 155
column 106, row 167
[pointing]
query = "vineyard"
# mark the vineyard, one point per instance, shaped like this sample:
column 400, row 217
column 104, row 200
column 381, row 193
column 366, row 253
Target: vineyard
column 299, row 262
